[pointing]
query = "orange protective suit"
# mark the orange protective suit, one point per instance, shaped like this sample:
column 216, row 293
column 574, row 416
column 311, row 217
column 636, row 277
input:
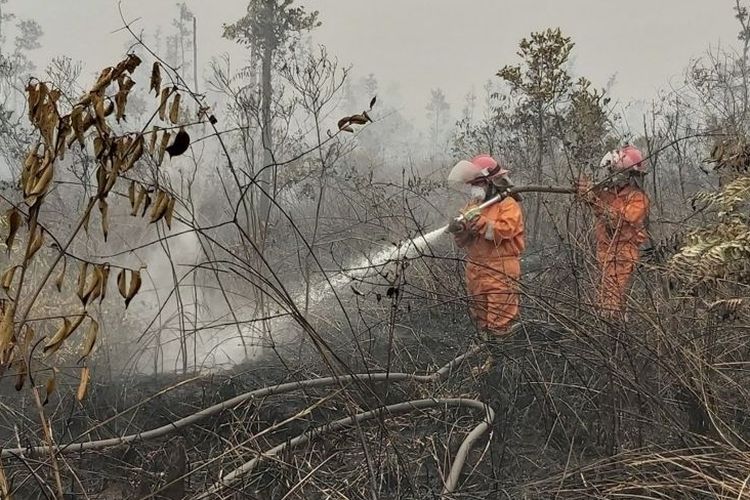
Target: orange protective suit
column 621, row 214
column 494, row 241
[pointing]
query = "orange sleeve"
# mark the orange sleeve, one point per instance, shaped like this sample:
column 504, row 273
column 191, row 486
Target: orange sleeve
column 505, row 220
column 635, row 208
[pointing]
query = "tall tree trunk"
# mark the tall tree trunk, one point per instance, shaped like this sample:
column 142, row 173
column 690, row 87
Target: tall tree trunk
column 538, row 175
column 268, row 177
column 195, row 53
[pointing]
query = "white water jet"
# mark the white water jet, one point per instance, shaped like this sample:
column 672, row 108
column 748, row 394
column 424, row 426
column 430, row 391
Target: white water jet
column 222, row 347
column 368, row 264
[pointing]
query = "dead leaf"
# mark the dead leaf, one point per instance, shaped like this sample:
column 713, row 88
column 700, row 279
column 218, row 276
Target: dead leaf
column 170, row 212
column 50, row 386
column 131, row 194
column 90, row 341
column 343, row 122
column 105, row 279
column 82, row 274
column 6, row 326
column 163, row 146
column 174, row 111
column 7, row 278
column 165, row 93
column 21, row 372
column 155, row 83
column 35, row 244
column 58, row 338
column 135, row 154
column 104, row 210
column 135, row 285
column 14, row 222
column 92, row 285
column 61, row 276
column 358, row 119
column 146, row 204
column 138, row 200
column 160, row 206
column 122, row 284
column 84, row 384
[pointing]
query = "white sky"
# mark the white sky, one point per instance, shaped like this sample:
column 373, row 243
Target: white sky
column 421, row 44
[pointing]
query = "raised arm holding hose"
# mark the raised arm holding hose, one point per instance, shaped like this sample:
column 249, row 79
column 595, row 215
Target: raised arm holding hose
column 621, row 209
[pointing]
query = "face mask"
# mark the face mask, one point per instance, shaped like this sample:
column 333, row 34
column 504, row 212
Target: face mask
column 477, row 192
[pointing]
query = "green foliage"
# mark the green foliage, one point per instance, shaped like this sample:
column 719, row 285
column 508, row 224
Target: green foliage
column 720, row 249
column 541, row 77
column 269, row 24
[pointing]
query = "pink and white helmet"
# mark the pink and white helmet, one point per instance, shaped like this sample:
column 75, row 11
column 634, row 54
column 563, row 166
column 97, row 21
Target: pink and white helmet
column 624, row 159
column 481, row 167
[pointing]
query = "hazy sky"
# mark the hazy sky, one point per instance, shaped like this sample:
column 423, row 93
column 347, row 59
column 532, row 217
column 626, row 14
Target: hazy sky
column 421, row 44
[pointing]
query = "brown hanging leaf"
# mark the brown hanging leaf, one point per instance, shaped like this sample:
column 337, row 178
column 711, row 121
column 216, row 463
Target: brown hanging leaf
column 347, row 129
column 174, row 111
column 21, row 371
column 7, row 278
column 58, row 338
column 84, row 384
column 35, row 244
column 76, row 123
column 101, row 180
column 165, row 93
column 50, row 386
column 170, row 212
column 125, row 84
column 105, row 279
column 90, row 341
column 135, row 154
column 77, row 321
column 138, row 200
column 160, row 206
column 131, row 194
column 343, row 122
column 6, row 326
column 82, row 274
column 358, row 119
column 372, row 101
column 152, row 140
column 163, row 146
column 105, row 78
column 101, row 117
column 104, row 210
column 131, row 62
column 111, row 179
column 155, row 83
column 135, row 285
column 14, row 222
column 61, row 276
column 44, row 177
column 92, row 285
column 122, row 285
column 86, row 217
column 34, row 96
column 146, row 204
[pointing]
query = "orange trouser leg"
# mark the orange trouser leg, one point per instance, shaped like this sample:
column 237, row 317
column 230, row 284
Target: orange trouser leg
column 494, row 293
column 617, row 262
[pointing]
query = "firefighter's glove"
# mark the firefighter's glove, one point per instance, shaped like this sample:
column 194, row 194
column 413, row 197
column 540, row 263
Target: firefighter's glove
column 456, row 226
column 472, row 214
